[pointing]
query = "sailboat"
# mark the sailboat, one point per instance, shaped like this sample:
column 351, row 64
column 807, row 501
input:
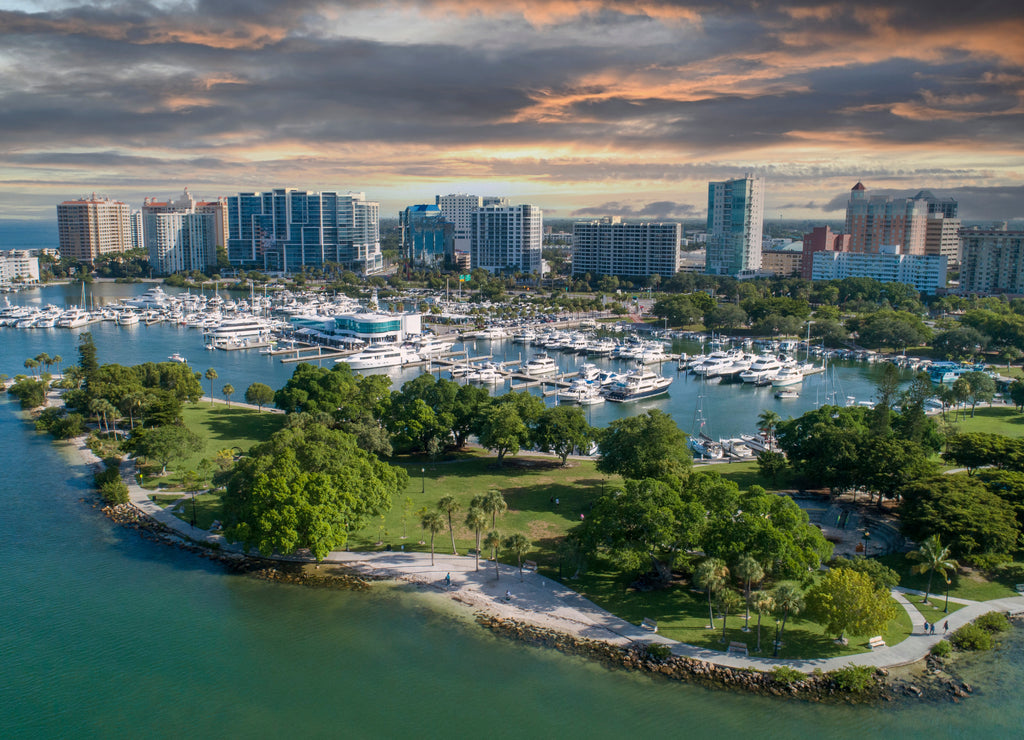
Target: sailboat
column 699, row 441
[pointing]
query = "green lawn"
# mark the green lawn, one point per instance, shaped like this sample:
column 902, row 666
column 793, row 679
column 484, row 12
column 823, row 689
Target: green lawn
column 221, row 428
column 934, row 611
column 1003, row 420
column 163, row 500
column 682, row 614
column 208, row 508
column 965, row 585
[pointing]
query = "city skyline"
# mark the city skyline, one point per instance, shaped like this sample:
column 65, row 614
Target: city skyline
column 584, row 109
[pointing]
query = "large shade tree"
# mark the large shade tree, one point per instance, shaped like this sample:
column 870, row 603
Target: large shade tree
column 645, row 446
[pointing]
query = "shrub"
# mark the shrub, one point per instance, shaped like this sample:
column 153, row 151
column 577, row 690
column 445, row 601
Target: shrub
column 942, row 648
column 785, row 675
column 1013, row 572
column 993, row 622
column 989, row 561
column 114, row 492
column 658, row 651
column 971, row 637
column 30, row 393
column 855, row 679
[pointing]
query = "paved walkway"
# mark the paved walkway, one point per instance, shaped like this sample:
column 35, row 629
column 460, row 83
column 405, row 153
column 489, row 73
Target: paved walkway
column 543, row 601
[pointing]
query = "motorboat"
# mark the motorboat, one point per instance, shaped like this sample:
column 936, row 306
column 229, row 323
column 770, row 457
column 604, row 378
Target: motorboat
column 376, row 357
column 581, row 392
column 488, row 373
column 177, row 358
column 588, row 371
column 127, row 318
column 765, row 366
column 540, row 365
column 247, row 330
column 636, row 385
column 787, row 393
column 788, row 376
column 73, row 318
column 706, row 447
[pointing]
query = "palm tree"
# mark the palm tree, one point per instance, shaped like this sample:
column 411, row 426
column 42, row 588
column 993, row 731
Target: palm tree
column 767, row 421
column 101, row 407
column 932, row 558
column 711, row 575
column 433, row 522
column 57, row 360
column 228, row 390
column 44, row 361
column 210, row 375
column 449, row 505
column 476, row 519
column 31, row 364
column 494, row 503
column 130, row 403
column 749, row 571
column 763, row 604
column 493, row 541
column 518, row 544
column 788, row 600
column 727, row 599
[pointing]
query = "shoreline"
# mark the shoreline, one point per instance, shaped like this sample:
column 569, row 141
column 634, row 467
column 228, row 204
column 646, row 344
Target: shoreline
column 543, row 612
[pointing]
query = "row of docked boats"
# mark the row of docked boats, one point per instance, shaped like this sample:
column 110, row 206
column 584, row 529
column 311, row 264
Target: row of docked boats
column 737, row 364
column 586, row 343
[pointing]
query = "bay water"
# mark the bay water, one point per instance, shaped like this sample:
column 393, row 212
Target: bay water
column 109, row 635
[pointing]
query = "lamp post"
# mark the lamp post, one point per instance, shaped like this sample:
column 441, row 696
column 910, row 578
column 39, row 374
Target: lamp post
column 867, row 539
column 423, row 479
column 946, row 610
column 777, row 643
column 193, row 508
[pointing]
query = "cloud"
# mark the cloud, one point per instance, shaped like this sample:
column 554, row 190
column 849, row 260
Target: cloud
column 982, row 203
column 659, row 211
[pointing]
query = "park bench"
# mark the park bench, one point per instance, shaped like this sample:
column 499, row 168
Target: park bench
column 740, row 648
column 876, row 642
column 530, row 565
column 649, row 624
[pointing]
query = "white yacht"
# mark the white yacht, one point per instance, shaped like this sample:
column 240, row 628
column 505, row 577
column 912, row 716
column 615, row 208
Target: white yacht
column 636, row 385
column 127, row 318
column 155, row 297
column 431, row 345
column 716, row 364
column 706, row 447
column 788, row 376
column 540, row 365
column 73, row 318
column 488, row 373
column 374, row 357
column 524, row 336
column 581, row 392
column 765, row 366
column 242, row 330
column 177, row 358
column 588, row 371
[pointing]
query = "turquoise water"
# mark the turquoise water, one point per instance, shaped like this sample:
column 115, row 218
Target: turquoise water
column 108, row 635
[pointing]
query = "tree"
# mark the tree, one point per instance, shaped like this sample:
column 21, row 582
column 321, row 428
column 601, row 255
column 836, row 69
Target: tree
column 749, row 571
column 476, row 519
column 845, row 599
column 563, row 429
column 770, row 464
column 503, row 430
column 166, row 444
column 646, row 446
column 518, row 544
column 30, row 393
column 308, row 486
column 449, row 505
column 31, row 364
column 711, row 575
column 960, row 343
column 962, row 511
column 727, row 600
column 764, row 604
column 767, row 421
column 228, row 390
column 259, row 395
column 87, row 357
column 493, row 503
column 211, row 375
column 1017, row 394
column 932, row 557
column 981, row 388
column 884, row 577
column 432, row 522
column 790, row 602
column 725, row 317
column 493, row 541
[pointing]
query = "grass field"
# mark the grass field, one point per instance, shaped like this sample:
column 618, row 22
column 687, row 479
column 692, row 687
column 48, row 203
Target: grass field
column 1004, row 420
column 965, row 585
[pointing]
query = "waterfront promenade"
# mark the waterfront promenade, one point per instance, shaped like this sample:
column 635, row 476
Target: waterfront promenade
column 544, row 602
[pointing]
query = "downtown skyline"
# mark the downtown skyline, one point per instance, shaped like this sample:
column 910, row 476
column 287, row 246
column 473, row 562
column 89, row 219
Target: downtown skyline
column 585, row 108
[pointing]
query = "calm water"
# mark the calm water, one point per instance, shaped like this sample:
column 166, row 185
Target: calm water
column 107, row 635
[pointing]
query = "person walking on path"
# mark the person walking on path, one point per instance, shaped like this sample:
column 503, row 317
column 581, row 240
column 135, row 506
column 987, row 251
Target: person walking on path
column 926, row 625
column 945, row 627
column 448, row 580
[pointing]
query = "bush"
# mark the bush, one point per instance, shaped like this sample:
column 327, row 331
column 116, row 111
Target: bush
column 942, row 648
column 993, row 622
column 658, row 651
column 1013, row 572
column 989, row 561
column 31, row 393
column 971, row 637
column 785, row 675
column 855, row 679
column 114, row 492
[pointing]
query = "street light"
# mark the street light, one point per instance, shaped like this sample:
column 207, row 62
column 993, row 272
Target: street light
column 423, row 474
column 946, row 610
column 867, row 539
column 777, row 643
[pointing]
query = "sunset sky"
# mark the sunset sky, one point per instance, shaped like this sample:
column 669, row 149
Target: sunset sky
column 589, row 108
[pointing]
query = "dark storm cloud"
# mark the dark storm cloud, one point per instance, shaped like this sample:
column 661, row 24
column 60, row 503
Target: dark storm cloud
column 658, row 211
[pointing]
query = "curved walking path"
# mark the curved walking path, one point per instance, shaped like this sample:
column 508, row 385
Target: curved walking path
column 547, row 603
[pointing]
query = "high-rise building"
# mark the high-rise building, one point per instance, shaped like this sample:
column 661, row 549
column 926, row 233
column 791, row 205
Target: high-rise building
column 504, row 237
column 219, row 210
column 735, row 224
column 927, row 273
column 138, row 232
column 992, row 261
column 287, row 229
column 18, row 265
column 178, row 236
column 457, row 209
column 427, row 236
column 821, row 239
column 91, row 227
column 881, row 221
column 610, row 247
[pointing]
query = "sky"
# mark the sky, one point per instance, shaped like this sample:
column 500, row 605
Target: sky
column 586, row 109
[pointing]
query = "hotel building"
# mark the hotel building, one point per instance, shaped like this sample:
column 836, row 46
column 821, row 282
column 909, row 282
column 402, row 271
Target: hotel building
column 91, row 227
column 610, row 247
column 735, row 224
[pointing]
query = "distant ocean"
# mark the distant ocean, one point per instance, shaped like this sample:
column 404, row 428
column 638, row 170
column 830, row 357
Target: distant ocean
column 18, row 234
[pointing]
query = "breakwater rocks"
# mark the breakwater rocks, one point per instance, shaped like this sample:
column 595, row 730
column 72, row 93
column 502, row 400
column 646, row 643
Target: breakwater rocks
column 297, row 573
column 655, row 660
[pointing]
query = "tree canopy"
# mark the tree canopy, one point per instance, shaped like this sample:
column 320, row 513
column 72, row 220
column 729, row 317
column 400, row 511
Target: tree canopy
column 846, row 600
column 646, row 446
